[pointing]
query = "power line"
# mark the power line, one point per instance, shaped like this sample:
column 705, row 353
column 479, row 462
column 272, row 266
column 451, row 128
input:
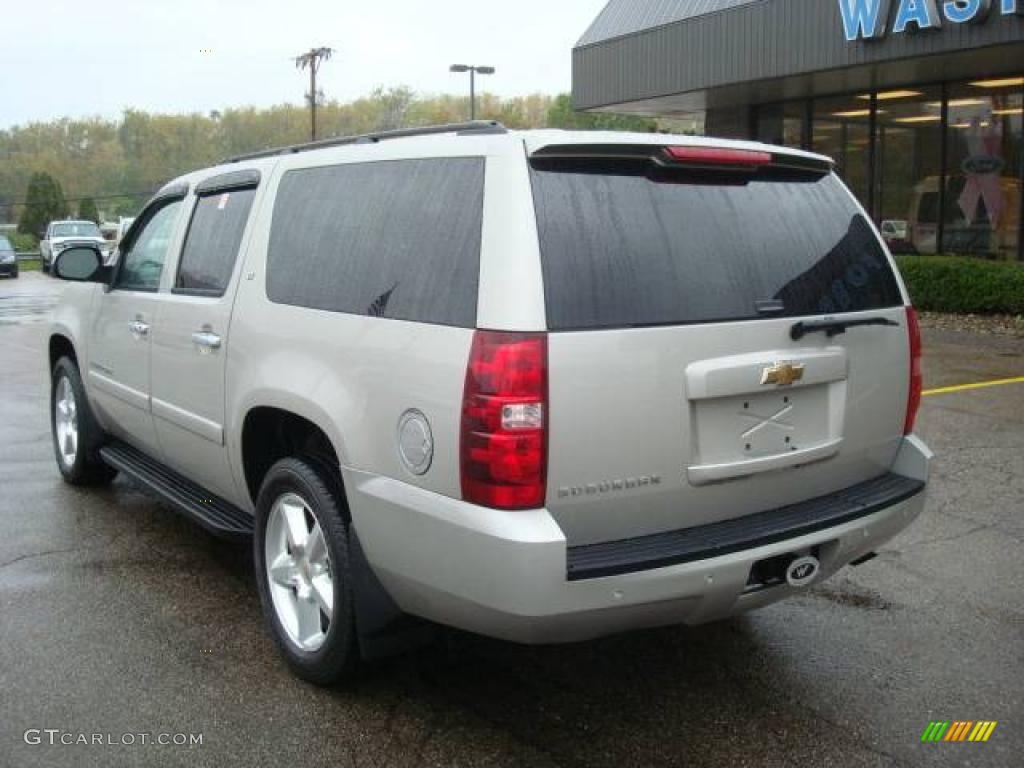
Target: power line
column 79, row 199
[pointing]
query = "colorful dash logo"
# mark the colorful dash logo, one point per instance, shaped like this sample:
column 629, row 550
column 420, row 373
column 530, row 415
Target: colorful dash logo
column 960, row 730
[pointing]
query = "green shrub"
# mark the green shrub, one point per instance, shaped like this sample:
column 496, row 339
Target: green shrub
column 963, row 284
column 22, row 242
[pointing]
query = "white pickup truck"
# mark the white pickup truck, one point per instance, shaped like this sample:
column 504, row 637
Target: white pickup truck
column 63, row 234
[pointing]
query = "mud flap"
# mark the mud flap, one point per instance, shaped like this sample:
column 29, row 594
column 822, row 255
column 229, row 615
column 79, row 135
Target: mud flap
column 383, row 628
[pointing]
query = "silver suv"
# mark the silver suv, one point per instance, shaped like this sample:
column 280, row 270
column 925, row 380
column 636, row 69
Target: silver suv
column 542, row 386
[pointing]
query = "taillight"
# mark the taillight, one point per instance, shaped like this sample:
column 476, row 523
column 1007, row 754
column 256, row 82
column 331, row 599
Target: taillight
column 503, row 438
column 914, row 398
column 718, row 156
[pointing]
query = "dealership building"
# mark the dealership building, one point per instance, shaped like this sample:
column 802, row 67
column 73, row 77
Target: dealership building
column 919, row 102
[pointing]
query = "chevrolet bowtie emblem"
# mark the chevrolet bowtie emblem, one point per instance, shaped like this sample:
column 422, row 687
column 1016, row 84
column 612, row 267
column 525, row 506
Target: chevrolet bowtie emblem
column 782, row 374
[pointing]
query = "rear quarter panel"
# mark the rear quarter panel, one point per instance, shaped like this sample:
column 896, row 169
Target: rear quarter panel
column 354, row 376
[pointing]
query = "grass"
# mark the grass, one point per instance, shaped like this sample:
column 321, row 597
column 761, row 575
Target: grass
column 30, row 265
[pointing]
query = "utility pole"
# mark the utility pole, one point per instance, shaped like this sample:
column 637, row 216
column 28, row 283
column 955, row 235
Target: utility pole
column 312, row 59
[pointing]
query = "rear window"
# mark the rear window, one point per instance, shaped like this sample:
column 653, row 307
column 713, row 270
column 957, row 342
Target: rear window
column 397, row 239
column 621, row 247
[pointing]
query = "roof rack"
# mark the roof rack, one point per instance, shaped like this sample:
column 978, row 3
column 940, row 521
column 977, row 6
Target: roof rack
column 470, row 127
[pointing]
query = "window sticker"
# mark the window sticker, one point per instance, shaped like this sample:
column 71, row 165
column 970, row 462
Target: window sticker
column 222, row 204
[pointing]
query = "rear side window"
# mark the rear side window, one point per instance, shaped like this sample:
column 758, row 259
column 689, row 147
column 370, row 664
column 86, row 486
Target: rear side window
column 397, row 239
column 212, row 243
column 625, row 248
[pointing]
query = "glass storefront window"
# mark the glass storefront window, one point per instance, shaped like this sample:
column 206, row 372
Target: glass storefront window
column 840, row 129
column 983, row 170
column 971, row 206
column 782, row 123
column 728, row 123
column 908, row 168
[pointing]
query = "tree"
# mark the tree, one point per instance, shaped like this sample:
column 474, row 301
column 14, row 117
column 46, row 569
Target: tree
column 87, row 210
column 393, row 107
column 124, row 161
column 44, row 202
column 562, row 115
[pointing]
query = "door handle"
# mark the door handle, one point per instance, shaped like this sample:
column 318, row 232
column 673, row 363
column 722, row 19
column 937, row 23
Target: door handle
column 206, row 339
column 138, row 328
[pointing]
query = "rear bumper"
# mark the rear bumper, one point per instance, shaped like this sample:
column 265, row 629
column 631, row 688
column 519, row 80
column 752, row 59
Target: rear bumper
column 706, row 542
column 505, row 574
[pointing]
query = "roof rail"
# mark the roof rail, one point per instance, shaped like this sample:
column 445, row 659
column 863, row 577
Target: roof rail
column 471, row 127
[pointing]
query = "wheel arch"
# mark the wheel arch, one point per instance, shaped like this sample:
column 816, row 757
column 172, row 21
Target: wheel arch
column 60, row 345
column 68, row 329
column 270, row 433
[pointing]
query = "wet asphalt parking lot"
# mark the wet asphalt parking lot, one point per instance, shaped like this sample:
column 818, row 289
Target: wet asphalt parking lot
column 119, row 617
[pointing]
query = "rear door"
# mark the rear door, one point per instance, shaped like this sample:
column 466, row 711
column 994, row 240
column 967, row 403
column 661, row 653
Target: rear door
column 191, row 333
column 680, row 393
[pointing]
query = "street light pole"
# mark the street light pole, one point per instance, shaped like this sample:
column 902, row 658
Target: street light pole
column 312, row 59
column 473, row 71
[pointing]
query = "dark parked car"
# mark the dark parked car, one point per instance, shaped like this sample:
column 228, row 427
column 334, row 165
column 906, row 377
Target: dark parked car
column 8, row 261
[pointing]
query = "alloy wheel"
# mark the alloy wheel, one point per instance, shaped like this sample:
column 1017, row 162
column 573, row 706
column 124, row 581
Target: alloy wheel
column 298, row 566
column 66, row 422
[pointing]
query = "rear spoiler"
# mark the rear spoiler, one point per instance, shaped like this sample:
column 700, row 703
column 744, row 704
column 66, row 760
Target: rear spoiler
column 703, row 157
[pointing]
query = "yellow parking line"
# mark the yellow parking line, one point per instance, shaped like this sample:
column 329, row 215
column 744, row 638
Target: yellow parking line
column 977, row 385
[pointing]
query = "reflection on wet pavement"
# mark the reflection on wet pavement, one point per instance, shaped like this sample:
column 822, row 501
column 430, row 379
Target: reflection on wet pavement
column 28, row 298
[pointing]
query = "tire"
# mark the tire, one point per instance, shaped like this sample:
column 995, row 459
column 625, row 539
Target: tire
column 294, row 500
column 77, row 436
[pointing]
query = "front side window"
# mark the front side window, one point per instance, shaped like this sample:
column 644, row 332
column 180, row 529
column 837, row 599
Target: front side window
column 212, row 242
column 143, row 262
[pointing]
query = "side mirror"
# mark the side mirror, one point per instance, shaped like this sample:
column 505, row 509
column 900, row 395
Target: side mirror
column 81, row 263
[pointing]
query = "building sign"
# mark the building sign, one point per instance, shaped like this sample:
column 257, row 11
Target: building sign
column 872, row 19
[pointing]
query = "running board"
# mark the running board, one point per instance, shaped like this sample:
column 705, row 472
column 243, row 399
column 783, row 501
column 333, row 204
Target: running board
column 216, row 515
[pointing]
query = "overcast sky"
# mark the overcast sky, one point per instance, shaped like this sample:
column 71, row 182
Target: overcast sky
column 61, row 58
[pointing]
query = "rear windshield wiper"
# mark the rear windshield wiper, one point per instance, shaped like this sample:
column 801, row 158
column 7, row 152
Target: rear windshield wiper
column 834, row 327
